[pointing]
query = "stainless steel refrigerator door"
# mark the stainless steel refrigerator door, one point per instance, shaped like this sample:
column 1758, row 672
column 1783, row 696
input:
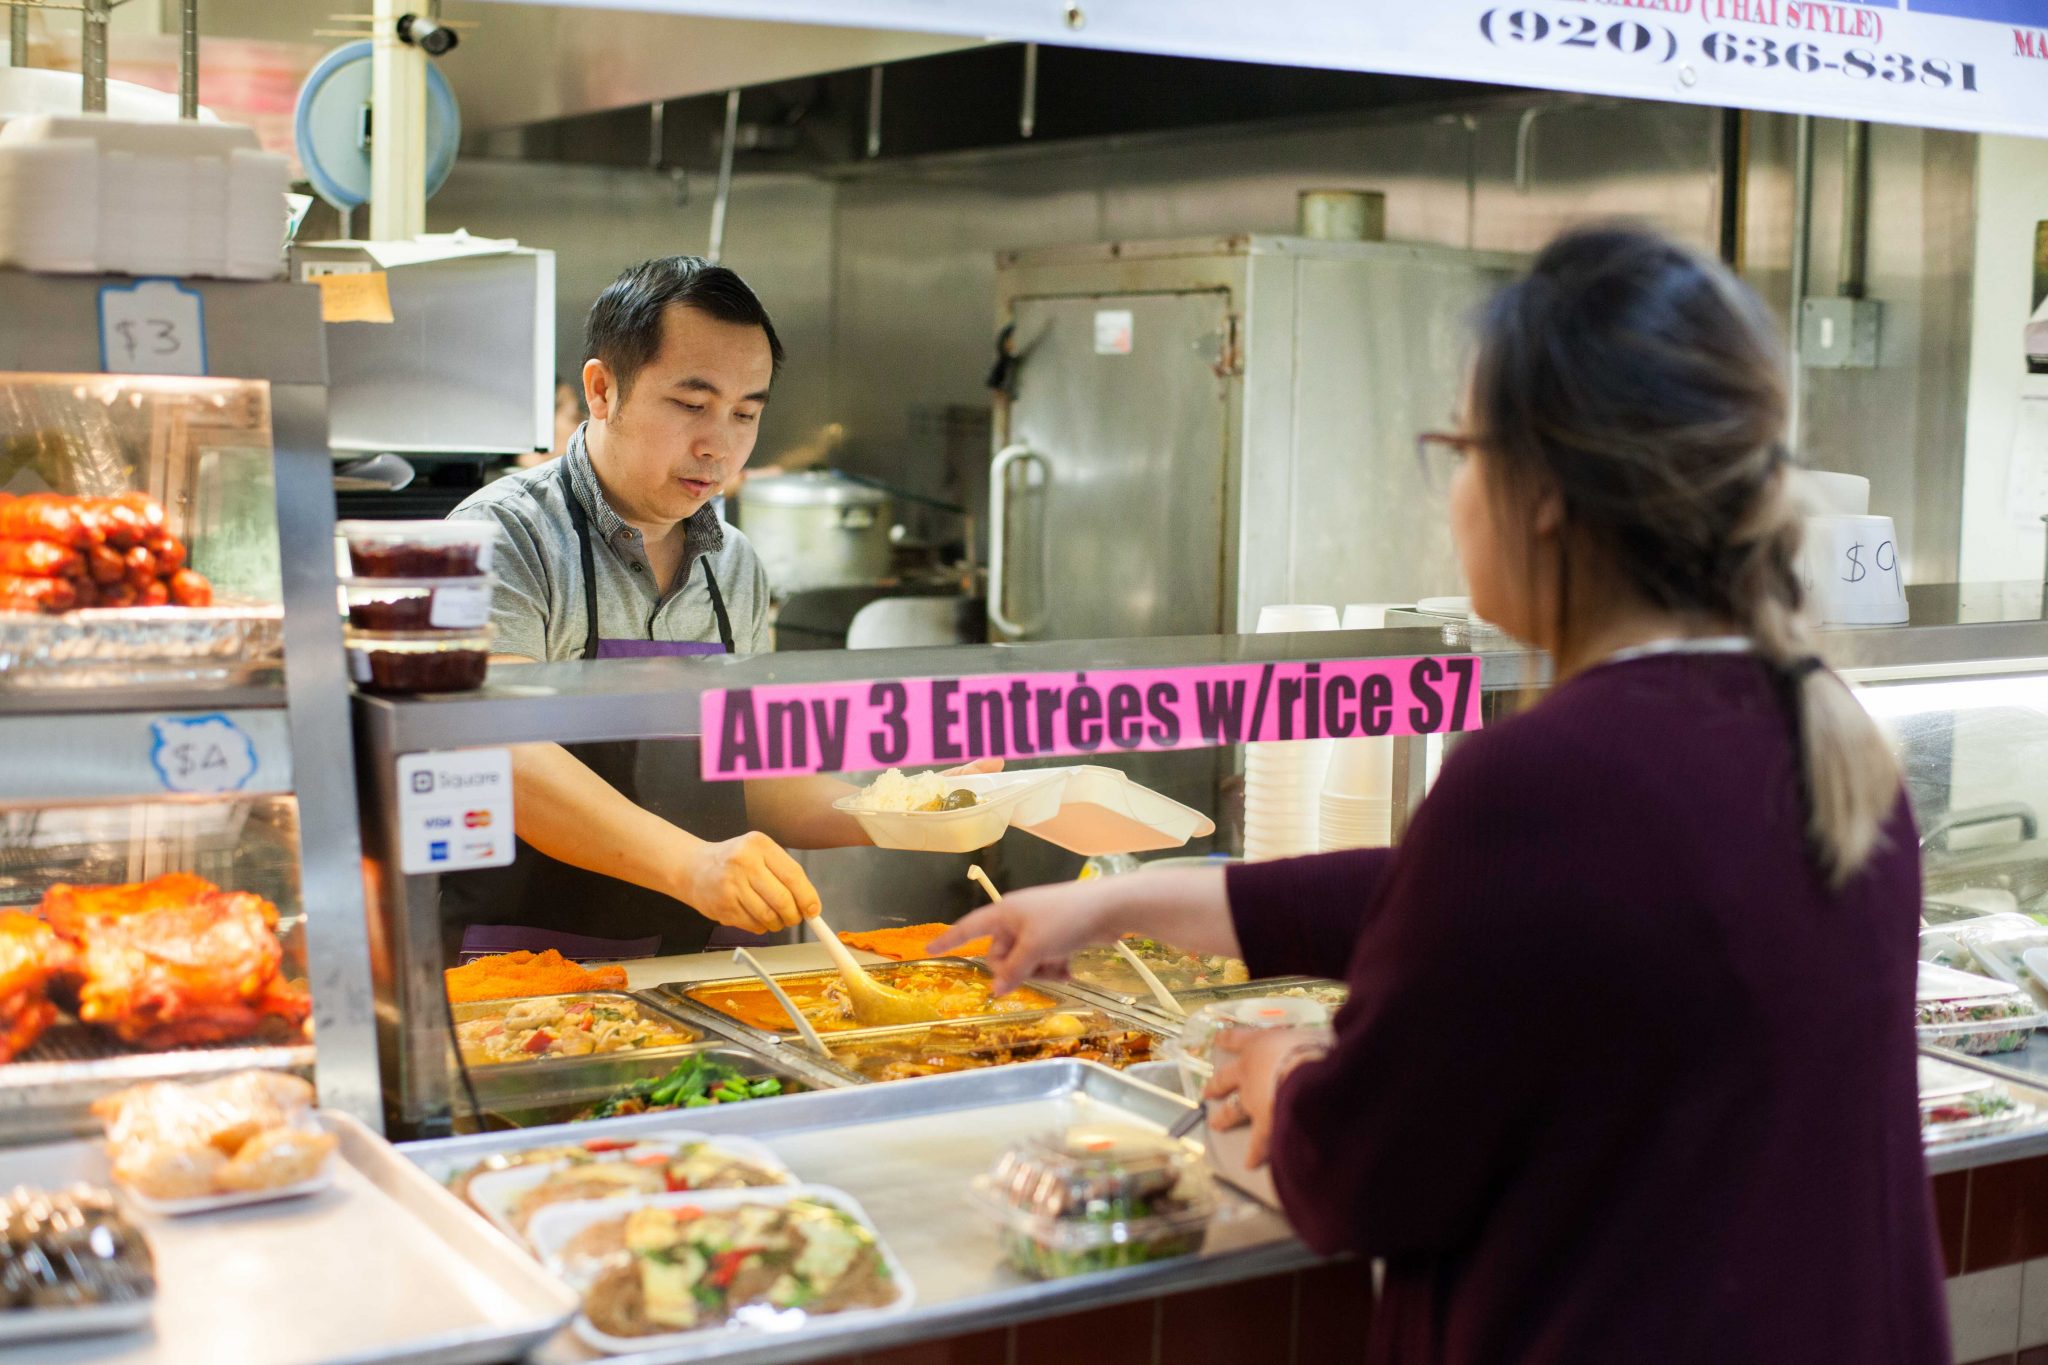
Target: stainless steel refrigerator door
column 1112, row 525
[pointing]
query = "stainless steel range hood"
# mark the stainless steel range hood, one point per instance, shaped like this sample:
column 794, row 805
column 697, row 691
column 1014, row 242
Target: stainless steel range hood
column 525, row 64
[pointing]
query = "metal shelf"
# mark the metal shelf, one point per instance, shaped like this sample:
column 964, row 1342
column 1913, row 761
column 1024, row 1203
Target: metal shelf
column 50, row 324
column 119, row 757
column 266, row 691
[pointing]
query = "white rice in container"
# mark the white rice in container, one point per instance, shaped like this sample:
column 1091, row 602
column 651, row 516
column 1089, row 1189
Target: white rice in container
column 895, row 790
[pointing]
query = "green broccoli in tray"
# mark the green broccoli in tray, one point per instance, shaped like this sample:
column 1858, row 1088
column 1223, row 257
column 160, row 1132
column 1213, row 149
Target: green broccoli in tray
column 697, row 1083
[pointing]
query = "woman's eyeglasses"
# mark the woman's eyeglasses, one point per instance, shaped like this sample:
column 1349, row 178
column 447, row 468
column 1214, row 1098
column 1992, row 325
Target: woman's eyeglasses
column 1439, row 454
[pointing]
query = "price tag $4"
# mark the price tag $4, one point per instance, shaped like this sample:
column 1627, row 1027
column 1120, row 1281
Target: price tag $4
column 201, row 754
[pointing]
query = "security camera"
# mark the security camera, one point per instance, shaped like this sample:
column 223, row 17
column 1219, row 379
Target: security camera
column 428, row 36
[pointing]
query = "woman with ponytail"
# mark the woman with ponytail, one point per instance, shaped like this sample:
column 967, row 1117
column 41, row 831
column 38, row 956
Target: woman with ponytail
column 1627, row 1072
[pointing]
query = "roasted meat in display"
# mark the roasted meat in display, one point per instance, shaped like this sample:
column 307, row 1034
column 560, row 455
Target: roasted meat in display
column 31, row 954
column 59, row 552
column 176, row 961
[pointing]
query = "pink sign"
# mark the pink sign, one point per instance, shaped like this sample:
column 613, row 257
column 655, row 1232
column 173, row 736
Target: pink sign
column 784, row 730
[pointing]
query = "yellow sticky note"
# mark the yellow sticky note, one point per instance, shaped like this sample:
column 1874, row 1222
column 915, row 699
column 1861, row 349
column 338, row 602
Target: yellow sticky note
column 364, row 297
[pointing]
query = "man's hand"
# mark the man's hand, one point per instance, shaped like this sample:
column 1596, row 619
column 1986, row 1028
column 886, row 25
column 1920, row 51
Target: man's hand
column 747, row 883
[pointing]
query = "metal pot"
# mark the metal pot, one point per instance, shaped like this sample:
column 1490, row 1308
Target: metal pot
column 817, row 529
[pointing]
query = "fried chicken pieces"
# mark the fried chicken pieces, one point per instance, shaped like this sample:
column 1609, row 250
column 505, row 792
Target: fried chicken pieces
column 170, row 962
column 240, row 1133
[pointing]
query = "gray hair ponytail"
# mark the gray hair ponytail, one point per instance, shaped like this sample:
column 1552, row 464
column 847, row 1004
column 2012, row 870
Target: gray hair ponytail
column 1645, row 384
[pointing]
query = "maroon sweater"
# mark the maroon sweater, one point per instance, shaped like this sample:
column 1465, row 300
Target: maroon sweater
column 1620, row 1078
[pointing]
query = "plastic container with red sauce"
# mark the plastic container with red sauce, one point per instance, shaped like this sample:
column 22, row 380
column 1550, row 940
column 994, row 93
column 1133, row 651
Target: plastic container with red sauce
column 418, row 549
column 387, row 604
column 419, row 661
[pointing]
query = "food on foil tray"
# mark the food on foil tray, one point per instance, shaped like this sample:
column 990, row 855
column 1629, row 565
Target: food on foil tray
column 697, row 1083
column 509, row 975
column 564, row 1026
column 1094, row 1197
column 70, row 1249
column 59, row 552
column 686, row 1269
column 176, row 961
column 1085, row 1035
column 31, row 955
column 608, row 1170
column 915, row 793
column 955, row 989
column 1177, row 970
column 248, row 1132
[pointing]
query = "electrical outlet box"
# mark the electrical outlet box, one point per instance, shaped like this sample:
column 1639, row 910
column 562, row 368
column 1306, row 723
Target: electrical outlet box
column 1839, row 334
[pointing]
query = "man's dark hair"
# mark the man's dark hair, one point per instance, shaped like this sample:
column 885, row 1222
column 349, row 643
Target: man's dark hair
column 624, row 328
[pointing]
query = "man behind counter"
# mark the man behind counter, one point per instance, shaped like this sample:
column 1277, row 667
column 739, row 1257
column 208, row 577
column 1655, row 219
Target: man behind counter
column 614, row 551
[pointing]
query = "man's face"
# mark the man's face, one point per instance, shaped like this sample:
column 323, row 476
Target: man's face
column 688, row 424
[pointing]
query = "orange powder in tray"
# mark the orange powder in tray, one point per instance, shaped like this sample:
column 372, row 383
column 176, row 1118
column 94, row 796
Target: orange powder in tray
column 523, row 973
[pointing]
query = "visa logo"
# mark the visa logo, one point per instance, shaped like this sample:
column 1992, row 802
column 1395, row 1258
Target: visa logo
column 440, row 822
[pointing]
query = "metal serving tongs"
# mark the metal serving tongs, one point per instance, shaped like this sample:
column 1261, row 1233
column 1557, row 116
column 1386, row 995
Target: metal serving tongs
column 803, row 1025
column 874, row 1004
column 1160, row 994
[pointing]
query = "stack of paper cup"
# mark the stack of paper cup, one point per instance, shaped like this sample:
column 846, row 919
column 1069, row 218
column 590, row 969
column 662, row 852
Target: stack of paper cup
column 1356, row 808
column 1283, row 780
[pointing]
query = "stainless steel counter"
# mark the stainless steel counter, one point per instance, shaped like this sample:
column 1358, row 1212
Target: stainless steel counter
column 906, row 1152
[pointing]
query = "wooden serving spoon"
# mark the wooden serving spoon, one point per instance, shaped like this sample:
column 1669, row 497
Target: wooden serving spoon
column 874, row 1004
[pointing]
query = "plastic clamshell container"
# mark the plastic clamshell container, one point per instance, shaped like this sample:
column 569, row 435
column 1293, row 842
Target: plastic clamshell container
column 1198, row 1033
column 418, row 549
column 234, row 1199
column 1102, row 811
column 416, row 661
column 1972, row 1014
column 2000, row 944
column 497, row 1193
column 555, row 1227
column 1958, row 1104
column 1096, row 1197
column 1002, row 799
column 383, row 605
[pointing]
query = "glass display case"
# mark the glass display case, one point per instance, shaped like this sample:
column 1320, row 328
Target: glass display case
column 179, row 865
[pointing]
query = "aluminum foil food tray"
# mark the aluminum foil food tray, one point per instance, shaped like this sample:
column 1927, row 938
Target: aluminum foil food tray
column 137, row 646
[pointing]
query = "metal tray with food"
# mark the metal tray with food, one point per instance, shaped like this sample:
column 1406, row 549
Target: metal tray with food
column 624, row 1084
column 907, row 1152
column 958, row 988
column 549, row 1028
column 1104, row 969
column 133, row 647
column 1081, row 1034
column 382, row 1266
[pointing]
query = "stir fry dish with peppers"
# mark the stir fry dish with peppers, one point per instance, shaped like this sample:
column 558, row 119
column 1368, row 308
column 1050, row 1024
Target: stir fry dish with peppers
column 687, row 1269
column 563, row 1026
column 605, row 1170
column 695, row 1084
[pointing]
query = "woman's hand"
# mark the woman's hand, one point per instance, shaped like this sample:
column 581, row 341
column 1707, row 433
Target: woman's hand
column 1250, row 1064
column 1033, row 932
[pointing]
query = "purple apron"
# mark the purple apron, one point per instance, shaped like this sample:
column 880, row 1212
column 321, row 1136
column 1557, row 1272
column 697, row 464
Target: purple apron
column 540, row 902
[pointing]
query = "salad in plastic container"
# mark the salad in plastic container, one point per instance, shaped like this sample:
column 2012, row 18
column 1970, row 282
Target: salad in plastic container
column 1958, row 1104
column 1097, row 1196
column 1973, row 1014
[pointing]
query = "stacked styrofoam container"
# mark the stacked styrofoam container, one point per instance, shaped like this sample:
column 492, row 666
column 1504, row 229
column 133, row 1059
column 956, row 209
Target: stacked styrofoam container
column 87, row 194
column 1357, row 803
column 1283, row 780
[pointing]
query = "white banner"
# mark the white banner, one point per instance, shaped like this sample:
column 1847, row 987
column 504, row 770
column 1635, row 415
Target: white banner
column 1978, row 65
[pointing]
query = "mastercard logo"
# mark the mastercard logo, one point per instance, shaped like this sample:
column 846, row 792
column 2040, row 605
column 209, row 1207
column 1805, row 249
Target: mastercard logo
column 476, row 819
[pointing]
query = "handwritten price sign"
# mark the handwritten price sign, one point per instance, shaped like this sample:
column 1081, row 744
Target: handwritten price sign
column 782, row 731
column 204, row 754
column 152, row 327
